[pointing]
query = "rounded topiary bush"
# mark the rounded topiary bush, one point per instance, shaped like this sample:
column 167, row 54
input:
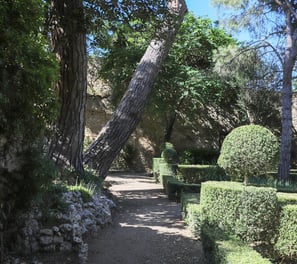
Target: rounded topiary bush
column 247, row 151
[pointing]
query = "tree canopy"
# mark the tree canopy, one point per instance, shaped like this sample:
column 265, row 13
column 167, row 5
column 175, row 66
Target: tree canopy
column 186, row 79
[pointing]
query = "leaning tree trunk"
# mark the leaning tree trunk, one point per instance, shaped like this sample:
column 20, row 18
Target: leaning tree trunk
column 123, row 122
column 69, row 43
column 289, row 62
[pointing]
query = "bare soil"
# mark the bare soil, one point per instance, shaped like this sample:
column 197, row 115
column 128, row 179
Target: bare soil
column 147, row 228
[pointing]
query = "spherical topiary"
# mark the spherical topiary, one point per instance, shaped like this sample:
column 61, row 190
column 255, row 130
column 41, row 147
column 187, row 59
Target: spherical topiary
column 248, row 151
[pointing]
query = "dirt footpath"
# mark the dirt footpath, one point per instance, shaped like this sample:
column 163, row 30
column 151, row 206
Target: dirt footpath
column 147, row 227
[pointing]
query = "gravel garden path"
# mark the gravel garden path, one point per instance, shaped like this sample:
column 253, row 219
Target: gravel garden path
column 147, row 227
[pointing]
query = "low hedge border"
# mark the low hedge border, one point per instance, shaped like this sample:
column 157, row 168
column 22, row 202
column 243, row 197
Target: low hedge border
column 286, row 241
column 166, row 169
column 200, row 173
column 221, row 248
column 156, row 167
column 176, row 188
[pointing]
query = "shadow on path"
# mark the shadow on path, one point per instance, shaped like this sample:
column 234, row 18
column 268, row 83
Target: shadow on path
column 147, row 227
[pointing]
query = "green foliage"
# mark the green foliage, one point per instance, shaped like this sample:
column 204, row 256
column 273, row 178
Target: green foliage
column 86, row 190
column 186, row 79
column 221, row 248
column 27, row 69
column 194, row 218
column 27, row 100
column 175, row 189
column 258, row 214
column 191, row 212
column 170, row 155
column 156, row 168
column 166, row 145
column 248, row 151
column 286, row 244
column 189, row 198
column 286, row 198
column 258, row 98
column 199, row 156
column 251, row 213
column 50, row 202
column 220, row 201
column 166, row 169
column 200, row 173
column 129, row 155
column 92, row 178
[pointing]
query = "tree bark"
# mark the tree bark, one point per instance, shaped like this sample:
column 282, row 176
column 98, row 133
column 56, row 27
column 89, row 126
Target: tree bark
column 288, row 65
column 169, row 127
column 123, row 122
column 68, row 36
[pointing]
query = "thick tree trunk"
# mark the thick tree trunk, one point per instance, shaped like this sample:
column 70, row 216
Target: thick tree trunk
column 114, row 135
column 69, row 43
column 169, row 127
column 289, row 62
column 286, row 135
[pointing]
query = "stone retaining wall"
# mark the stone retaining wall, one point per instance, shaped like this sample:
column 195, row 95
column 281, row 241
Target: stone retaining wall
column 68, row 230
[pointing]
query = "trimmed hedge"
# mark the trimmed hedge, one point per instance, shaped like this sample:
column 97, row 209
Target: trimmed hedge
column 287, row 198
column 200, row 173
column 176, row 188
column 248, row 212
column 156, row 167
column 166, row 169
column 220, row 201
column 218, row 246
column 194, row 218
column 191, row 212
column 189, row 198
column 221, row 248
column 286, row 243
column 200, row 156
column 165, row 179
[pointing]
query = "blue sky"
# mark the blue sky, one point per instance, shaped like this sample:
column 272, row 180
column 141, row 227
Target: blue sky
column 203, row 8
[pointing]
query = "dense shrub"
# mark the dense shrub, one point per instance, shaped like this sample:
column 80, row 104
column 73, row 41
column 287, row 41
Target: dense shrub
column 27, row 102
column 165, row 180
column 249, row 212
column 170, row 155
column 166, row 169
column 200, row 173
column 257, row 214
column 248, row 151
column 286, row 243
column 199, row 156
column 189, row 198
column 286, row 239
column 191, row 211
column 193, row 218
column 222, row 248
